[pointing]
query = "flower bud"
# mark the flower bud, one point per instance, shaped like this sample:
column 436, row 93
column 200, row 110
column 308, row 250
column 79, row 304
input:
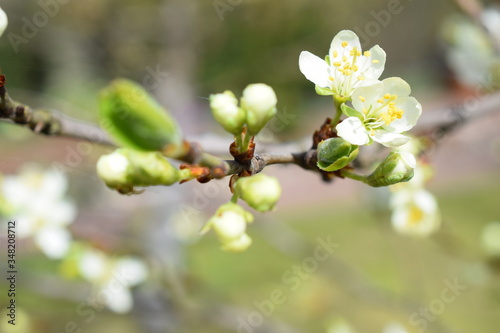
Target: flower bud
column 397, row 167
column 490, row 239
column 261, row 192
column 3, row 21
column 229, row 223
column 135, row 120
column 125, row 168
column 335, row 153
column 259, row 102
column 113, row 169
column 227, row 113
column 238, row 245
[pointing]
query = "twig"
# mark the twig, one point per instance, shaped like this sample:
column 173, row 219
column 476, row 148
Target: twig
column 435, row 124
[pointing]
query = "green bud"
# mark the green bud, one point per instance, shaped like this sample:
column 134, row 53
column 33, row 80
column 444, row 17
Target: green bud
column 229, row 223
column 335, row 153
column 396, row 168
column 238, row 245
column 227, row 113
column 259, row 101
column 125, row 168
column 261, row 192
column 135, row 120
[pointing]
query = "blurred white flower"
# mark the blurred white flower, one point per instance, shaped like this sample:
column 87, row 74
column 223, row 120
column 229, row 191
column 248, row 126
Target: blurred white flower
column 394, row 328
column 3, row 22
column 36, row 200
column 490, row 239
column 415, row 212
column 112, row 277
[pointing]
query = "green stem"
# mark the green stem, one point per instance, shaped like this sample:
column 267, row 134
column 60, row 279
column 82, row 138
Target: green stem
column 337, row 102
column 239, row 141
column 246, row 142
column 235, row 197
column 352, row 175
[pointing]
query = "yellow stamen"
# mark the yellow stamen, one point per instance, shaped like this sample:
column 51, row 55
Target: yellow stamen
column 375, row 61
column 355, row 68
column 367, row 53
column 344, row 44
column 335, row 54
column 331, row 78
column 361, row 78
column 362, row 99
column 381, row 101
column 364, row 110
column 337, row 63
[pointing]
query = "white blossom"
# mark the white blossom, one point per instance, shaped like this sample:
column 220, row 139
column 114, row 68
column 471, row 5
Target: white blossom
column 381, row 113
column 346, row 66
column 36, row 200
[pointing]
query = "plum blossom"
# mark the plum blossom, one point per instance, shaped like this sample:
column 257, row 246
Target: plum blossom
column 381, row 113
column 346, row 67
column 36, row 200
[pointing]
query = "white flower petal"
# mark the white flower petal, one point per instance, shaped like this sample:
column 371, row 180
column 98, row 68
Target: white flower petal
column 133, row 270
column 411, row 113
column 352, row 130
column 93, row 265
column 54, row 242
column 388, row 139
column 118, row 299
column 369, row 94
column 396, row 86
column 375, row 63
column 344, row 36
column 314, row 69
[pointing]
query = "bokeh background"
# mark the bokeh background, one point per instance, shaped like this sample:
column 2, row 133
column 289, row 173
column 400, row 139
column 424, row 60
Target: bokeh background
column 375, row 280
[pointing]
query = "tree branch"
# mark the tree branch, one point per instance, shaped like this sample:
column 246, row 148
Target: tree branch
column 435, row 124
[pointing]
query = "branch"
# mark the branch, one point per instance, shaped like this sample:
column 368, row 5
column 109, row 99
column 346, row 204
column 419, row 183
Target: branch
column 435, row 124
column 48, row 122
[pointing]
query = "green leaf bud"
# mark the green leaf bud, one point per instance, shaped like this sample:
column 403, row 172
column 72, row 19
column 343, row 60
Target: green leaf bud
column 259, row 101
column 261, row 192
column 335, row 153
column 396, row 168
column 227, row 113
column 135, row 120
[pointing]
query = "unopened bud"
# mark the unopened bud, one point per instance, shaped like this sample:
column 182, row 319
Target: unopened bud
column 259, row 101
column 229, row 223
column 238, row 245
column 3, row 21
column 490, row 239
column 227, row 113
column 397, row 167
column 335, row 153
column 125, row 168
column 261, row 192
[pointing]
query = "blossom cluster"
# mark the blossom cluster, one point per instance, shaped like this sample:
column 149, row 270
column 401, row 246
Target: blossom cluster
column 382, row 111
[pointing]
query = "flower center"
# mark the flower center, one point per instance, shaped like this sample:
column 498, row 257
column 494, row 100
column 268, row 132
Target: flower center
column 391, row 111
column 416, row 215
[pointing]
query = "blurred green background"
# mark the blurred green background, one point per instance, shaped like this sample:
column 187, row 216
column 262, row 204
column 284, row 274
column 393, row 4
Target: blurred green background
column 182, row 51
